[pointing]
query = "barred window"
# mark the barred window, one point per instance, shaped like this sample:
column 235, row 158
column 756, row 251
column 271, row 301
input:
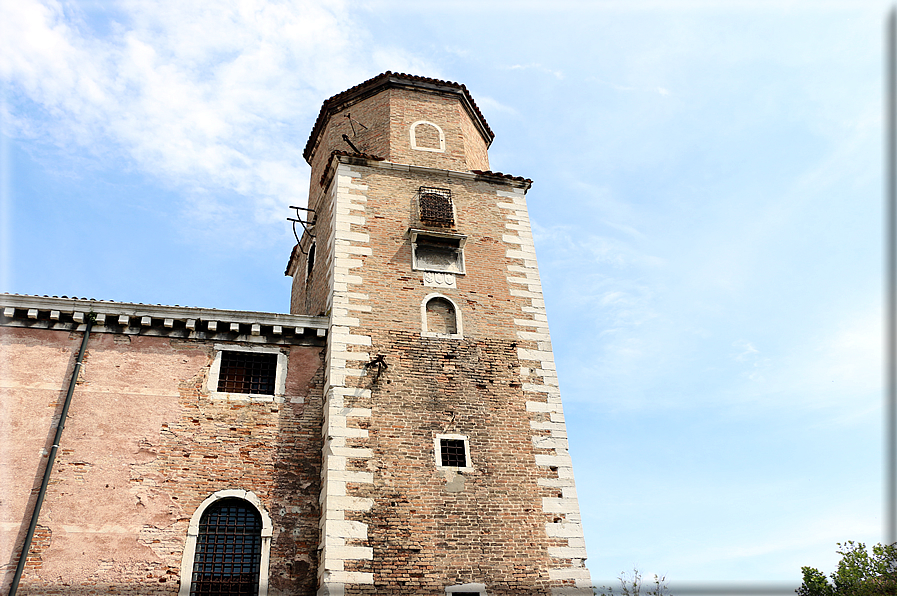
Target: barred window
column 452, row 452
column 228, row 550
column 436, row 206
column 247, row 372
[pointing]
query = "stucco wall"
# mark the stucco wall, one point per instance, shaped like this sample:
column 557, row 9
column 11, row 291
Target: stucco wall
column 34, row 372
column 143, row 446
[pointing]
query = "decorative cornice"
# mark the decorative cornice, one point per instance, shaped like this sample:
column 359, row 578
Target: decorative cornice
column 359, row 160
column 70, row 314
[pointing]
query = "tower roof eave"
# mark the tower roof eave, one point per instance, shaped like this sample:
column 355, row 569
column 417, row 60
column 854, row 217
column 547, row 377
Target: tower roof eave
column 388, row 80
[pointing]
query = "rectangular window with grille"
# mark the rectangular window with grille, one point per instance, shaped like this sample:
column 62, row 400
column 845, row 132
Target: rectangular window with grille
column 436, row 206
column 453, row 453
column 247, row 372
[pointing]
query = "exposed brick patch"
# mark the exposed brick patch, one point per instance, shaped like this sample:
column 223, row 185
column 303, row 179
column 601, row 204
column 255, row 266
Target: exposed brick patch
column 142, row 448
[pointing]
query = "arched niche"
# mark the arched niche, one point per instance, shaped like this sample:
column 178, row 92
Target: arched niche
column 440, row 317
column 427, row 136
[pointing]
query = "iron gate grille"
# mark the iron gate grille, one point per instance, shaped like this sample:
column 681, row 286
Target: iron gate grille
column 453, row 453
column 228, row 550
column 436, row 206
column 247, row 372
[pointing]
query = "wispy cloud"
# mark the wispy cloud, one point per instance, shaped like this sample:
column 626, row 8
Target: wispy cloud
column 621, row 87
column 844, row 358
column 205, row 97
column 490, row 104
column 538, row 67
column 747, row 350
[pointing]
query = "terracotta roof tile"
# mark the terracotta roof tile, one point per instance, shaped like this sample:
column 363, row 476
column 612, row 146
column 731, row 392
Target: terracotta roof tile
column 492, row 174
column 92, row 300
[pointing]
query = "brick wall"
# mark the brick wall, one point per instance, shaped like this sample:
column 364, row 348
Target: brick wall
column 410, row 106
column 512, row 522
column 388, row 116
column 143, row 446
column 394, row 520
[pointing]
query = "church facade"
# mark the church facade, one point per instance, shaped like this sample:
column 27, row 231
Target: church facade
column 400, row 432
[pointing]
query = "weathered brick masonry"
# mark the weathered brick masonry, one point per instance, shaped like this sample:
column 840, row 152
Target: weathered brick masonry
column 395, row 521
column 146, row 442
column 408, row 436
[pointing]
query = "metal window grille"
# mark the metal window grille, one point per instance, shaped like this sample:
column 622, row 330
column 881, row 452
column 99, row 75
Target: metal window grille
column 247, row 372
column 228, row 550
column 452, row 451
column 436, row 206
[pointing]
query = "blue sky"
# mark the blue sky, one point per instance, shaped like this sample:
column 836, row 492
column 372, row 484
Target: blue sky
column 707, row 208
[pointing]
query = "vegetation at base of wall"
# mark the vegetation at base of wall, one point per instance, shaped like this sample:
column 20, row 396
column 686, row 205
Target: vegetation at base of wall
column 633, row 586
column 859, row 573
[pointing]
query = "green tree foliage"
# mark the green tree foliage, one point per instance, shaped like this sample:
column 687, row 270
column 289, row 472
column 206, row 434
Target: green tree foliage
column 859, row 573
column 633, row 586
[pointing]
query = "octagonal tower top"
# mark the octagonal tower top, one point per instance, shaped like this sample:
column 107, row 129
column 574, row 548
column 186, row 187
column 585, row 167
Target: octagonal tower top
column 403, row 119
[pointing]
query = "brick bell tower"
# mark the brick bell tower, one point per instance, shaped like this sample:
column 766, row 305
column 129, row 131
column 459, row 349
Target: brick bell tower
column 445, row 464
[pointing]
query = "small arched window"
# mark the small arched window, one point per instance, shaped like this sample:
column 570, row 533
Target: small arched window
column 440, row 317
column 228, row 550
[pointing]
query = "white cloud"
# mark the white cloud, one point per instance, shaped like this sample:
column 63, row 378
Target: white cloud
column 843, row 363
column 536, row 66
column 211, row 97
column 782, row 543
column 489, row 104
column 619, row 87
column 747, row 350
column 624, row 228
column 398, row 60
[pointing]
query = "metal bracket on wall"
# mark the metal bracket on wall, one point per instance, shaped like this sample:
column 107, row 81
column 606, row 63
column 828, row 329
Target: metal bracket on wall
column 380, row 363
column 305, row 224
column 352, row 123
